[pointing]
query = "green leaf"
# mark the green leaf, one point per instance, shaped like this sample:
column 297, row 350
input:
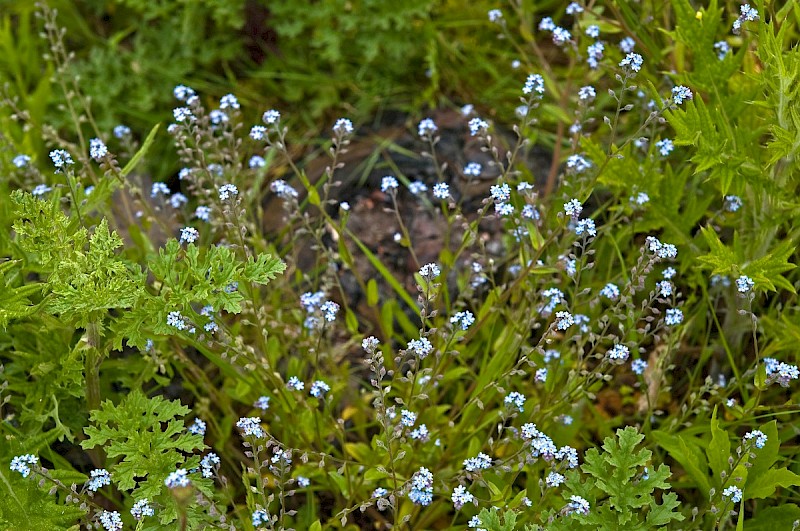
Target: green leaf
column 765, row 485
column 718, row 451
column 142, row 151
column 148, row 437
column 772, row 518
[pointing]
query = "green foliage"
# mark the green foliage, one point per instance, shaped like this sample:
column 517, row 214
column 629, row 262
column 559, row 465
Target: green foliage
column 91, row 366
column 765, row 270
column 620, row 486
column 24, row 506
column 147, row 435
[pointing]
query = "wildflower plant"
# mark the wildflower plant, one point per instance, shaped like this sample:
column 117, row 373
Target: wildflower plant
column 285, row 330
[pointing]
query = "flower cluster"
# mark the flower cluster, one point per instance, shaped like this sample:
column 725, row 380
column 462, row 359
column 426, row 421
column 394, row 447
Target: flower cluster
column 421, row 487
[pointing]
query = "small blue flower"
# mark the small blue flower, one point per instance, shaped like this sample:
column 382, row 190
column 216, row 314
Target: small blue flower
column 477, row 126
column 480, row 462
column 610, row 291
column 141, row 509
column 427, row 128
column 226, row 191
column 594, row 53
column 441, row 191
column 574, row 8
column 638, row 366
column 473, row 169
column 208, row 464
column 535, row 83
column 515, row 399
column 228, row 101
column 744, row 284
column 421, row 347
column 561, row 36
column 258, row 132
column 40, row 190
column 593, row 31
column 176, row 320
column 271, row 117
column 189, row 235
column 183, row 114
column 618, row 353
column 319, row 388
column 421, row 487
column 461, row 497
column 554, row 479
column 759, row 437
column 723, row 49
column 198, row 427
column 343, row 127
column 587, row 226
column 627, row 45
column 587, row 93
column 97, row 149
column 681, row 94
column 111, row 521
column 500, row 192
column 417, row 187
column 179, row 478
column 665, row 147
column 250, row 426
column 673, row 317
column 389, row 183
column 578, row 505
column 463, row 319
column 21, row 464
column 564, row 320
column 260, row 516
column 61, row 158
column 578, row 163
column 295, row 383
column 121, row 131
column 573, row 208
column 495, row 15
column 430, row 271
column 329, row 310
column 733, row 203
column 182, row 92
column 733, row 493
column 99, row 478
column 632, row 62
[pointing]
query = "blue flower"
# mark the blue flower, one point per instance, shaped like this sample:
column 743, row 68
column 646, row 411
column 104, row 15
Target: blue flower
column 535, row 82
column 632, row 62
column 744, row 284
column 111, row 521
column 681, row 94
column 251, row 426
column 627, row 45
column 421, row 487
column 673, row 317
column 515, row 399
column 141, row 509
column 179, row 478
column 99, row 478
column 733, row 493
column 638, row 366
column 189, row 235
column 389, row 183
column 271, row 117
column 427, row 128
column 759, row 437
column 21, row 464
